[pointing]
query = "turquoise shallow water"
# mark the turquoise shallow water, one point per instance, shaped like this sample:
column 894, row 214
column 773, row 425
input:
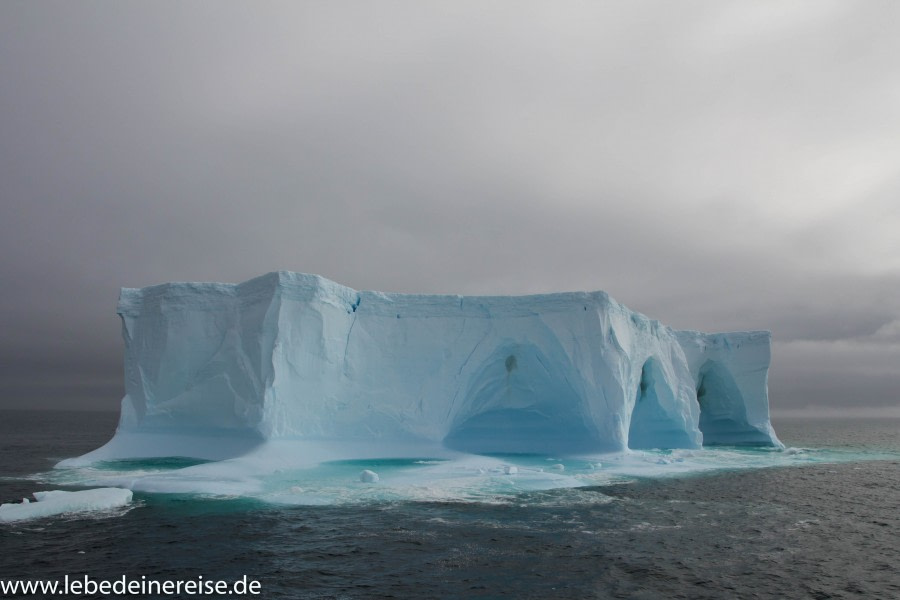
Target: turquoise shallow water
column 822, row 527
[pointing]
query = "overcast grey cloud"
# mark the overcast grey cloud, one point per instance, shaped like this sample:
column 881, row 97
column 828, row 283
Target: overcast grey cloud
column 716, row 165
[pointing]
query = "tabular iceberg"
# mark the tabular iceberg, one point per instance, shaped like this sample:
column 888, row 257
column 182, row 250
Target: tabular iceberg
column 213, row 370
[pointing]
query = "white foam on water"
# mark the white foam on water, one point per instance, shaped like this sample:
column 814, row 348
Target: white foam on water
column 301, row 473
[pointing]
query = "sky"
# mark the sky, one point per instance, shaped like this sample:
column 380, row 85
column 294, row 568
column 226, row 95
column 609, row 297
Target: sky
column 715, row 165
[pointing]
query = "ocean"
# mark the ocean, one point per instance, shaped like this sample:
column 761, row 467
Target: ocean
column 819, row 520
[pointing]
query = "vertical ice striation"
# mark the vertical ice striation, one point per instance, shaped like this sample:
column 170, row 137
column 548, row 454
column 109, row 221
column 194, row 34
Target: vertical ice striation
column 296, row 356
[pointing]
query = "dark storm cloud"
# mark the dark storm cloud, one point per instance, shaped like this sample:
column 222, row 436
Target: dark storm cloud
column 715, row 165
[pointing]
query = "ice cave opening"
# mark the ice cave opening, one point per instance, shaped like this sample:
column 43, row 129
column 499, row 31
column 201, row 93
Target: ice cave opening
column 723, row 413
column 520, row 402
column 655, row 422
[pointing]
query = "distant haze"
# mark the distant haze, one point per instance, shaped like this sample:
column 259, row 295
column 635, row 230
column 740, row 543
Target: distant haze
column 716, row 165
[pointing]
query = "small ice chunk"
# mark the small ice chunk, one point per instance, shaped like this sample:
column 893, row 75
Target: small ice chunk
column 368, row 476
column 558, row 467
column 58, row 502
column 510, row 469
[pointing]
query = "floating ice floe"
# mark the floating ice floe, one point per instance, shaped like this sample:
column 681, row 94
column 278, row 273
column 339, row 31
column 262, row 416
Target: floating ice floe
column 57, row 502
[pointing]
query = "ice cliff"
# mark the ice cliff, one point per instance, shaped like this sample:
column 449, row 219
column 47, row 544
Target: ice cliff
column 296, row 356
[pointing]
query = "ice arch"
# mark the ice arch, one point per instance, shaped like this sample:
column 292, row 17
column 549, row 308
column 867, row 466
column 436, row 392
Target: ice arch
column 655, row 421
column 723, row 411
column 519, row 402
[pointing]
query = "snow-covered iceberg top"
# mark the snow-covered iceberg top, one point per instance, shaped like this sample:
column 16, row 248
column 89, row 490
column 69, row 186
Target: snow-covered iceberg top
column 214, row 370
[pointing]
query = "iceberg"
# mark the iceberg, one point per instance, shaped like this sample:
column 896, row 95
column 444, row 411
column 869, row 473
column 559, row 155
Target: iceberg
column 215, row 371
column 58, row 502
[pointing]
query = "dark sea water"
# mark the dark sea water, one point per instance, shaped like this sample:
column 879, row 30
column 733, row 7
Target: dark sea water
column 824, row 529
